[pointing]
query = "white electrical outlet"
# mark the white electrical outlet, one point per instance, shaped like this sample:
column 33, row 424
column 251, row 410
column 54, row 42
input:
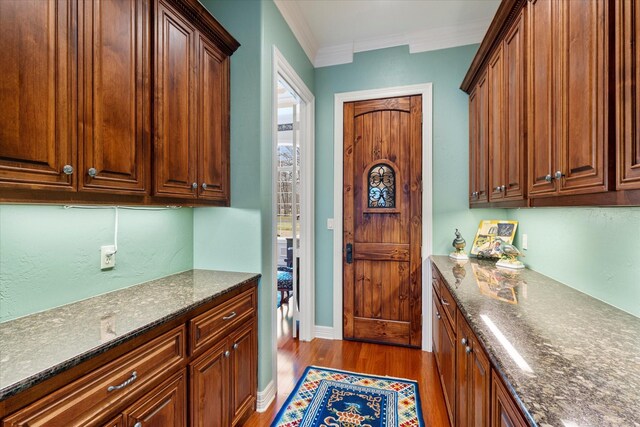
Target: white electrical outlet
column 107, row 257
column 524, row 242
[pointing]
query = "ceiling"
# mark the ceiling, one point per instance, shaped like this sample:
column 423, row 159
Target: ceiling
column 331, row 31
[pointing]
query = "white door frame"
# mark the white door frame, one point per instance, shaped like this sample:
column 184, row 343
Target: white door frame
column 427, row 196
column 282, row 69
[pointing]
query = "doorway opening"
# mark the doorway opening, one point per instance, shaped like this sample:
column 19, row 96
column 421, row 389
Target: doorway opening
column 293, row 277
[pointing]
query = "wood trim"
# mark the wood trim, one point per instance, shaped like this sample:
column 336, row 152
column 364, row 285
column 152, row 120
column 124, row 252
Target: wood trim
column 415, row 222
column 206, row 23
column 348, row 221
column 504, row 17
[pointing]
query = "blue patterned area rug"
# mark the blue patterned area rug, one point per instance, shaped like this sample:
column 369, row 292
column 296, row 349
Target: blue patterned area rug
column 331, row 398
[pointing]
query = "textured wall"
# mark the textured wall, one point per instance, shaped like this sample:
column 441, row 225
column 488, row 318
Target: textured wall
column 595, row 250
column 50, row 256
column 387, row 68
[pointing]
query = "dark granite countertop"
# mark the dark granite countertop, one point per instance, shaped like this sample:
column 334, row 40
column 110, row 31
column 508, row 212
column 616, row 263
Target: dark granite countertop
column 572, row 360
column 36, row 347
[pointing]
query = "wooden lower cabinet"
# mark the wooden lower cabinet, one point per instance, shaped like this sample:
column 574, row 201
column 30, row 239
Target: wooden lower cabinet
column 474, row 394
column 150, row 383
column 444, row 335
column 224, row 380
column 473, row 373
column 166, row 405
column 504, row 412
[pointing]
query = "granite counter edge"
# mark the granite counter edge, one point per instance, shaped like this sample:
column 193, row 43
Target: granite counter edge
column 495, row 361
column 44, row 375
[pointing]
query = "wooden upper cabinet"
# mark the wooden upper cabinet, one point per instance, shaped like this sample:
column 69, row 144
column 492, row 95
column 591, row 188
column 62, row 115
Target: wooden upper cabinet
column 583, row 67
column 37, row 83
column 496, row 118
column 568, row 114
column 213, row 121
column 627, row 30
column 479, row 142
column 175, row 153
column 114, row 95
column 541, row 119
column 514, row 122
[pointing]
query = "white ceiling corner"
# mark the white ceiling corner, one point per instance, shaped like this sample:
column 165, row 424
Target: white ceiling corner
column 331, row 31
column 290, row 11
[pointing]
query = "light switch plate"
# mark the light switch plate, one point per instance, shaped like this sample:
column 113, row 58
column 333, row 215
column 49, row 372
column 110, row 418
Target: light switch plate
column 329, row 223
column 524, row 242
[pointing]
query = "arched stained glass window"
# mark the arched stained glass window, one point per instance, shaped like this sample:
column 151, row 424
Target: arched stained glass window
column 382, row 186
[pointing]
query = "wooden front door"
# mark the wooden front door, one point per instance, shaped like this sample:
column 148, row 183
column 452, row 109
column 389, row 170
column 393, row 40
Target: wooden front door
column 382, row 220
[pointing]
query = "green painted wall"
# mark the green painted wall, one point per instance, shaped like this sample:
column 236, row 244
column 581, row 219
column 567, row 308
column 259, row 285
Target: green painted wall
column 239, row 238
column 50, row 256
column 388, row 68
column 594, row 250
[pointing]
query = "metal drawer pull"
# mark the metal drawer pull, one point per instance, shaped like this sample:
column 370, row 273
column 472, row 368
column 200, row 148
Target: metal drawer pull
column 444, row 301
column 231, row 316
column 438, row 314
column 134, row 376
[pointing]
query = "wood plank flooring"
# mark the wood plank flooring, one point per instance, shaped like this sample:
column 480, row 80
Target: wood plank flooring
column 294, row 356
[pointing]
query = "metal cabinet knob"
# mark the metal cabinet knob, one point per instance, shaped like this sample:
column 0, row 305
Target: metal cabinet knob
column 498, row 188
column 67, row 169
column 548, row 178
column 92, row 172
column 503, row 188
column 227, row 353
column 468, row 350
column 204, row 185
column 235, row 345
column 194, row 185
column 464, row 341
column 559, row 175
column 438, row 314
column 138, row 424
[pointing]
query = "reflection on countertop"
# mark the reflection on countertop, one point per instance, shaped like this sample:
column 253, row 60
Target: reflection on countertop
column 570, row 358
column 36, row 347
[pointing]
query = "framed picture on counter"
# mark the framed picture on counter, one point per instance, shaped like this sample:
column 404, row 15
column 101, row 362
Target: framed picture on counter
column 492, row 232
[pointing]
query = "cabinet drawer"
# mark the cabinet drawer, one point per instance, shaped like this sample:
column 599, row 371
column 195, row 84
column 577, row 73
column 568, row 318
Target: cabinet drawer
column 436, row 280
column 448, row 305
column 90, row 398
column 217, row 322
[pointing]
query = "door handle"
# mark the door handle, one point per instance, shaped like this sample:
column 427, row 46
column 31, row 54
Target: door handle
column 349, row 253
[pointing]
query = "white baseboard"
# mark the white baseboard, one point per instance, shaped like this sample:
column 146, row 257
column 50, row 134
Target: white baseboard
column 266, row 397
column 325, row 332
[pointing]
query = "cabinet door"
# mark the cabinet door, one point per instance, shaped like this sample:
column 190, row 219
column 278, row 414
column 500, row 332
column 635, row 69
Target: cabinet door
column 448, row 364
column 496, row 126
column 628, row 93
column 210, row 388
column 243, row 369
column 37, row 81
column 479, row 156
column 175, row 141
column 514, row 149
column 583, row 69
column 473, row 378
column 164, row 406
column 213, row 121
column 114, row 99
column 541, row 122
column 504, row 412
column 473, row 144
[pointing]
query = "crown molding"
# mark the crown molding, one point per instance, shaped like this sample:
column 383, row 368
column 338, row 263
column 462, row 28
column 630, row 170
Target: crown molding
column 445, row 37
column 290, row 11
column 334, row 55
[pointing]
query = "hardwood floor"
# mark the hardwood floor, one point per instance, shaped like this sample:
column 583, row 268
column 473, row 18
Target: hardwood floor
column 294, row 356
